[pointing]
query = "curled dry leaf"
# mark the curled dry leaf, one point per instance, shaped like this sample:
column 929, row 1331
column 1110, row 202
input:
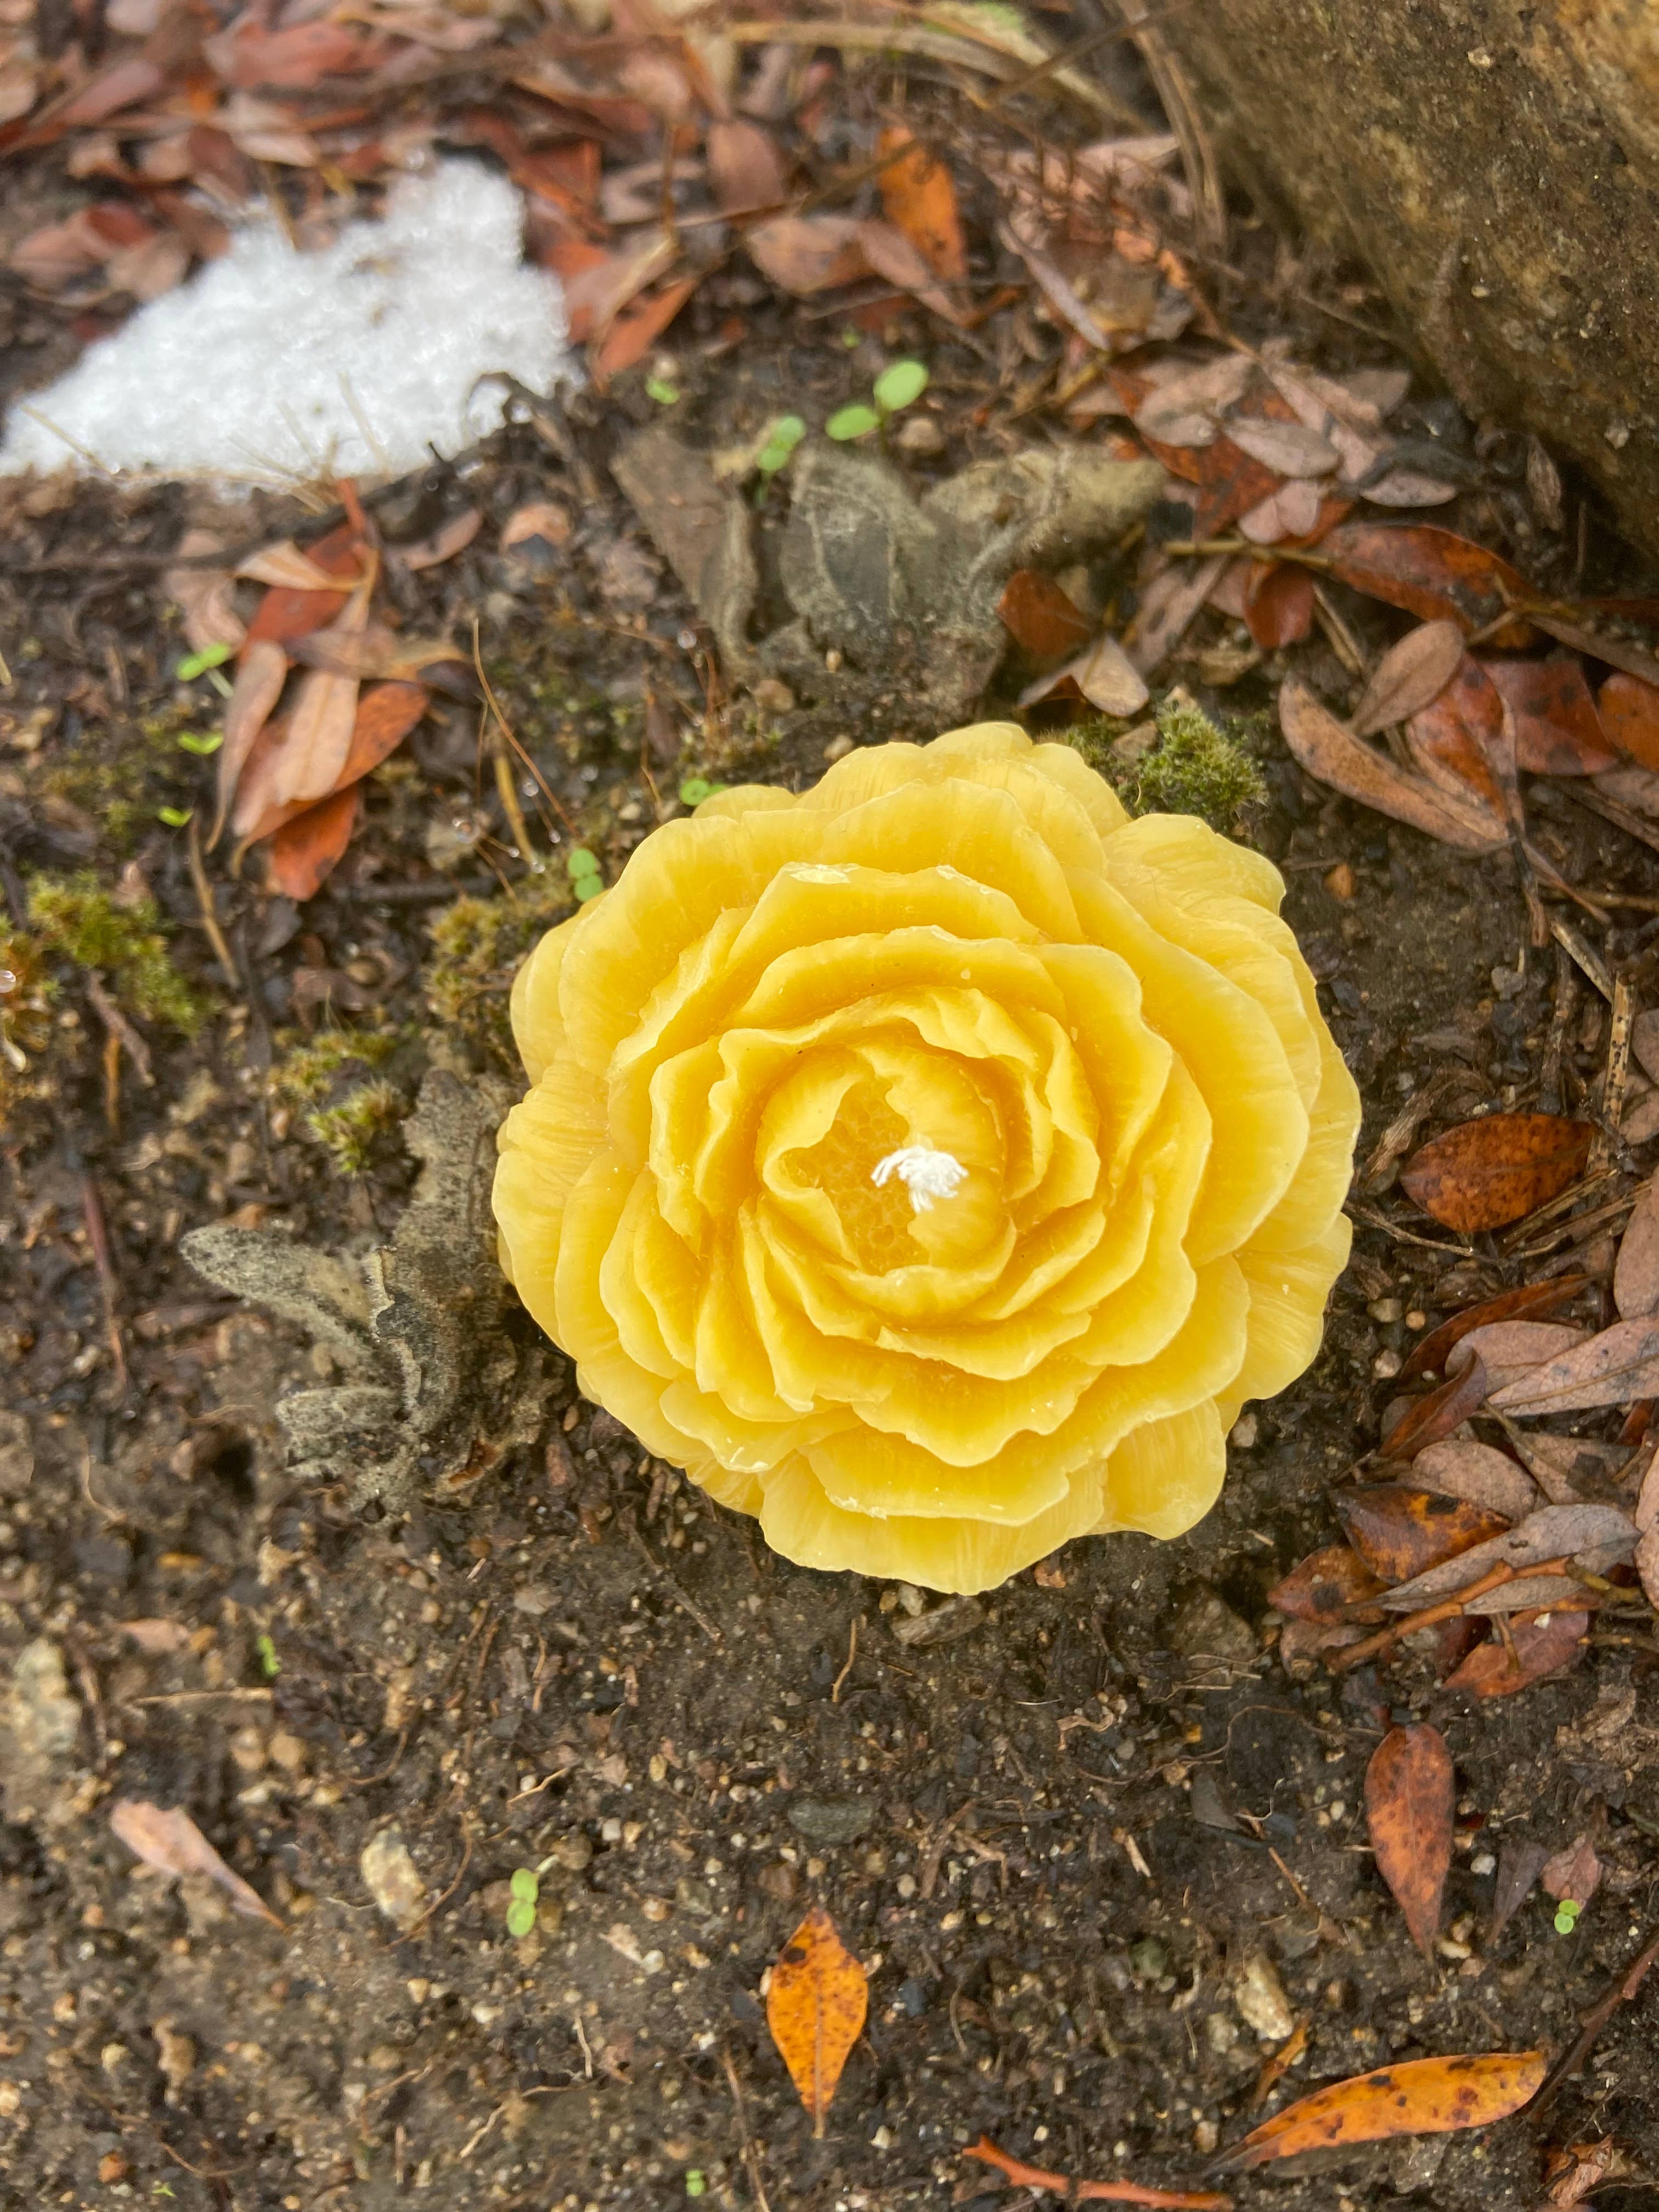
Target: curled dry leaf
column 1409, row 677
column 1431, row 572
column 815, row 2010
column 1279, row 604
column 1574, row 1872
column 1423, row 2096
column 919, row 199
column 1553, row 1532
column 1543, row 1643
column 1464, row 741
column 1167, row 607
column 746, row 169
column 1290, row 449
column 261, row 672
column 1509, row 1349
column 1437, row 1414
column 1558, row 731
column 1331, row 752
column 1039, row 617
column 311, row 845
column 1479, row 1475
column 1635, row 1272
column 1613, row 1367
column 1324, row 1585
column 206, row 596
column 1485, row 1173
column 386, row 713
column 284, row 564
column 1410, row 1798
column 1399, row 1533
column 170, row 1840
column 1429, row 1354
column 805, row 254
column 1629, row 714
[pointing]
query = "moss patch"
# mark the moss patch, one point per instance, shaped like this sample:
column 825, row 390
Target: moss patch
column 75, row 918
column 477, row 946
column 348, row 1103
column 122, row 774
column 1193, row 765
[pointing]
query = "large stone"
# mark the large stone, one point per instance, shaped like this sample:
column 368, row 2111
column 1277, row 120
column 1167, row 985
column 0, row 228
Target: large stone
column 1497, row 164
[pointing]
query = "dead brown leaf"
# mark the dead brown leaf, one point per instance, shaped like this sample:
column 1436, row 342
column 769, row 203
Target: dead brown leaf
column 1332, row 753
column 1553, row 1532
column 1431, row 1353
column 1399, row 1532
column 1613, row 1367
column 1635, row 1272
column 1509, row 1349
column 918, row 196
column 1410, row 1799
column 1431, row 572
column 1574, row 1872
column 1543, row 1643
column 171, row 1841
column 1409, row 677
column 1421, row 2096
column 1483, row 1174
column 1324, row 1585
column 805, row 254
column 1558, row 731
column 1477, row 1473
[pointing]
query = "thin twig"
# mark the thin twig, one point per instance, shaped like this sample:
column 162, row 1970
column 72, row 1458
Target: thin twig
column 92, row 1213
column 1448, row 1608
column 750, row 2155
column 657, row 1568
column 216, row 936
column 852, row 1654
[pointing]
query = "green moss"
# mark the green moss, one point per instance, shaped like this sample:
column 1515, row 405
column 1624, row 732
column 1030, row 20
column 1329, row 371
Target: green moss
column 1194, row 767
column 477, row 946
column 122, row 775
column 26, row 997
column 307, row 1072
column 359, row 1127
column 74, row 917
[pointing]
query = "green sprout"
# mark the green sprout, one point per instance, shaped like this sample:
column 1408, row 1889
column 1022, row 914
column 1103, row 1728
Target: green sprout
column 525, row 1887
column 587, row 876
column 265, row 1652
column 1566, row 1915
column 696, row 2181
column 659, row 389
column 901, row 384
column 197, row 664
column 697, row 789
column 176, row 818
column 781, row 440
column 202, row 745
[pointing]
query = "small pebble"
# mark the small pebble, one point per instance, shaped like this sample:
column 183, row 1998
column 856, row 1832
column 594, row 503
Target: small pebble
column 1340, row 882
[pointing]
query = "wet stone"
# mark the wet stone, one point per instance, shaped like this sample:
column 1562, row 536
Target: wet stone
column 829, row 1819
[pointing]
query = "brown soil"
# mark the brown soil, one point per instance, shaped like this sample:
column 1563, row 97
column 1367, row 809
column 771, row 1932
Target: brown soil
column 1028, row 1824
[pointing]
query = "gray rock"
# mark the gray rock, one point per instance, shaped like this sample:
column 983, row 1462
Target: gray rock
column 1204, row 1628
column 829, row 1819
column 43, row 1723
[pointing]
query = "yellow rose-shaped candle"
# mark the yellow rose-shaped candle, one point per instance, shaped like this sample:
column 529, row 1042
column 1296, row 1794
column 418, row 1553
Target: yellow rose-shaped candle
column 934, row 1164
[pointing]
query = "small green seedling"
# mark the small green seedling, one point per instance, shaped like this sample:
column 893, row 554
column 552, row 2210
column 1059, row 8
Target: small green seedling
column 587, row 876
column 525, row 1886
column 901, row 384
column 697, row 789
column 197, row 664
column 696, row 2181
column 1566, row 1915
column 176, row 818
column 265, row 1651
column 203, row 744
column 659, row 389
column 781, row 440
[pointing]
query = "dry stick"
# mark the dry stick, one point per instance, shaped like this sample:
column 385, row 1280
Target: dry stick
column 1022, row 2176
column 92, row 1212
column 750, row 2155
column 1621, row 1993
column 216, row 936
column 1448, row 1608
column 1329, row 1928
column 1617, row 1075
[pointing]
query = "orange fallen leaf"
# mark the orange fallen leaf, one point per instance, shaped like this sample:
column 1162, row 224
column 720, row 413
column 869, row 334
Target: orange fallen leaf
column 1544, row 1643
column 1400, row 1533
column 1040, row 618
column 917, row 194
column 1429, row 1354
column 1279, row 604
column 308, row 849
column 746, row 169
column 1410, row 1798
column 1329, row 751
column 815, row 2010
column 1019, row 2175
column 1629, row 711
column 386, row 713
column 1410, row 675
column 636, row 328
column 1558, row 731
column 804, row 254
column 169, row 1840
column 1483, row 1174
column 1432, row 573
column 1423, row 2097
column 261, row 672
column 1436, row 1415
column 1323, row 1586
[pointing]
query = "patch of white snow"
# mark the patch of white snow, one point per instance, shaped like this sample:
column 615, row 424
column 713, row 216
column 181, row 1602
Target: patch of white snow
column 270, row 363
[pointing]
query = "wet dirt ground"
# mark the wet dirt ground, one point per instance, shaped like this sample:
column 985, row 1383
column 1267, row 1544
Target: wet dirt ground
column 1098, row 1850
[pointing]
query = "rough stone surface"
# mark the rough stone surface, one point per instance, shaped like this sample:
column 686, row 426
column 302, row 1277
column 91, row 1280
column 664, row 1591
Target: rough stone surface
column 1498, row 167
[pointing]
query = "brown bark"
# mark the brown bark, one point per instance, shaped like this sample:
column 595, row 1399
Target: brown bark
column 1497, row 165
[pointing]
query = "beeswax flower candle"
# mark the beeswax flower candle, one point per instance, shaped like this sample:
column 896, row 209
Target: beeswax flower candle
column 931, row 1164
